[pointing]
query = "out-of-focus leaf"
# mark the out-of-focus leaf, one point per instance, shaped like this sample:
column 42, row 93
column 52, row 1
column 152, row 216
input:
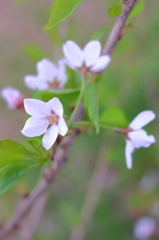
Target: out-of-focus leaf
column 98, row 34
column 61, row 9
column 12, row 176
column 138, row 8
column 91, row 103
column 33, row 52
column 12, row 146
column 114, row 117
column 12, row 152
column 37, row 94
column 115, row 10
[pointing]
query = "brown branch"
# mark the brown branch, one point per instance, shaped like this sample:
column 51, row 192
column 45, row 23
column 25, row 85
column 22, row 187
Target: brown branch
column 62, row 150
column 118, row 27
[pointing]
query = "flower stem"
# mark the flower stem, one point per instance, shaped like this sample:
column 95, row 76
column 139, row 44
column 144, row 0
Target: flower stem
column 90, row 123
column 78, row 100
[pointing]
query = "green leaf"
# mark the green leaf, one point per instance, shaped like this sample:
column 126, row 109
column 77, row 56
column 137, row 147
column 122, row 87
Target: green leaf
column 12, row 146
column 91, row 103
column 115, row 10
column 138, row 8
column 12, row 152
column 12, row 176
column 98, row 34
column 114, row 117
column 33, row 52
column 61, row 9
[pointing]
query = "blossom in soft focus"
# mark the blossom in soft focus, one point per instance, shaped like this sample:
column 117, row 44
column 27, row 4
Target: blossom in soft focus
column 48, row 76
column 47, row 118
column 87, row 60
column 135, row 136
column 144, row 228
column 13, row 97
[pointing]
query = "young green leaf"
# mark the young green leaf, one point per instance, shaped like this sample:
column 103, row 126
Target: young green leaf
column 138, row 8
column 12, row 146
column 115, row 10
column 98, row 34
column 61, row 9
column 91, row 103
column 12, row 176
column 114, row 117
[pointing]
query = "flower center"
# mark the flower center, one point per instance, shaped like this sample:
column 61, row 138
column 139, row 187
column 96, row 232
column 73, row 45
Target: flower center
column 54, row 84
column 52, row 119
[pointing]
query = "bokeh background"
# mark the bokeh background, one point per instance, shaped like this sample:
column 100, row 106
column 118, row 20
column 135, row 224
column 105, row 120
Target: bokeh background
column 95, row 181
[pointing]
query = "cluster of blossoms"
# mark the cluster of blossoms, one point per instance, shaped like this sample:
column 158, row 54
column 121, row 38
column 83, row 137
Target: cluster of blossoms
column 47, row 117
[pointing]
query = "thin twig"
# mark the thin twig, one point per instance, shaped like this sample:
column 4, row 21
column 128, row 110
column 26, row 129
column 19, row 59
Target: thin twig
column 118, row 27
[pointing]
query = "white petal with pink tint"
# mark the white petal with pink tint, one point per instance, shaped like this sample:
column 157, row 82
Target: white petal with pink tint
column 91, row 53
column 139, row 138
column 56, row 106
column 46, row 70
column 62, row 126
column 142, row 119
column 12, row 96
column 101, row 64
column 50, row 137
column 46, row 118
column 129, row 149
column 136, row 136
column 36, row 108
column 73, row 53
column 34, row 127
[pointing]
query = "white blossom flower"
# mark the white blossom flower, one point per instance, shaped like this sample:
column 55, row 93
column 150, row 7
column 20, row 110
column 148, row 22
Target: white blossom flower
column 48, row 76
column 87, row 60
column 136, row 137
column 47, row 118
column 144, row 228
column 13, row 97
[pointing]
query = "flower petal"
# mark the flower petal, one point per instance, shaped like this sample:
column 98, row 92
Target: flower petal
column 142, row 119
column 50, row 137
column 139, row 138
column 34, row 127
column 34, row 82
column 12, row 96
column 73, row 54
column 101, row 64
column 46, row 70
column 91, row 53
column 36, row 108
column 56, row 106
column 62, row 126
column 129, row 149
column 61, row 74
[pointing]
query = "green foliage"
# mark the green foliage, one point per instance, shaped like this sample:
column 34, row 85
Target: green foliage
column 98, row 34
column 114, row 117
column 61, row 9
column 12, row 175
column 12, row 152
column 91, row 103
column 33, row 52
column 138, row 9
column 115, row 10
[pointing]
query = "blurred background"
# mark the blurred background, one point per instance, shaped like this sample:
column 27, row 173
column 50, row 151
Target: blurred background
column 95, row 195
